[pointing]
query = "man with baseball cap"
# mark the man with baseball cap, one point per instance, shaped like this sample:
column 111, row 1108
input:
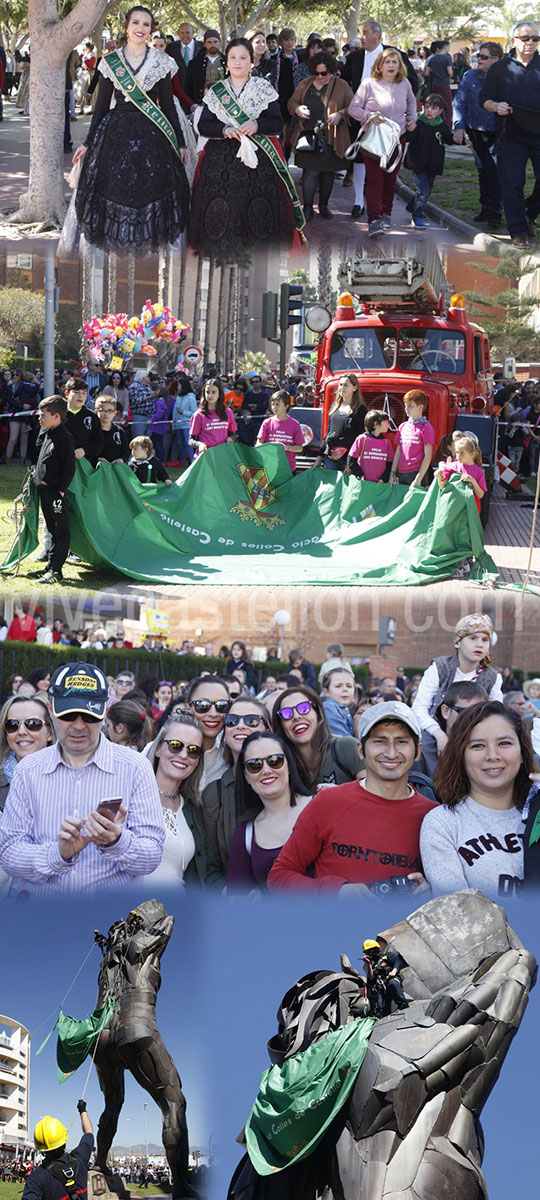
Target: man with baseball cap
column 84, row 812
column 363, row 837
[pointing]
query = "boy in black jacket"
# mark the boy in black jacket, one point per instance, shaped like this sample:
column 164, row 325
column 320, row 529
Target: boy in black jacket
column 82, row 423
column 425, row 156
column 55, row 469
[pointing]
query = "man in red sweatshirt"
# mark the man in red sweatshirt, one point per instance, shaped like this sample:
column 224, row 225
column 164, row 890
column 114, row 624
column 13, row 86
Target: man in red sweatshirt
column 361, row 836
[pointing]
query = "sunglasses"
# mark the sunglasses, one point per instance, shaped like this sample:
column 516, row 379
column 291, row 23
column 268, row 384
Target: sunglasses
column 529, row 38
column 483, row 57
column 459, row 708
column 203, row 706
column 87, row 717
column 175, row 746
column 164, row 683
column 255, row 765
column 302, row 709
column 321, row 74
column 31, row 723
column 250, row 719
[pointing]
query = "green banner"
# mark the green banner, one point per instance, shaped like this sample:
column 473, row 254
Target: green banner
column 299, row 1100
column 76, row 1039
column 238, row 516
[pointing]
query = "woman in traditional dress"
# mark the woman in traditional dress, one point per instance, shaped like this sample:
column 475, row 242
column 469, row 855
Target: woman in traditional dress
column 133, row 191
column 243, row 194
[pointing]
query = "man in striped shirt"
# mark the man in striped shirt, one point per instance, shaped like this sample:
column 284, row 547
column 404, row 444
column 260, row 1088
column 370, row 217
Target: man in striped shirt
column 84, row 812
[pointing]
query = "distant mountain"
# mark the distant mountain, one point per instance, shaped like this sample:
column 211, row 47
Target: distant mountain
column 139, row 1148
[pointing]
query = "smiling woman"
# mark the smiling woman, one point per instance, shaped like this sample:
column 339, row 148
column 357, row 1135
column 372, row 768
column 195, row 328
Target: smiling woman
column 177, row 758
column 475, row 837
column 269, row 788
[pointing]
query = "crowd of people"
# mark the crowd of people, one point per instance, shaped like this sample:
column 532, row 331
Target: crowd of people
column 307, row 782
column 211, row 143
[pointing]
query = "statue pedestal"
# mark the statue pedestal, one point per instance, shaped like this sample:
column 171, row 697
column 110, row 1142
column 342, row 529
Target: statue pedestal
column 98, row 1186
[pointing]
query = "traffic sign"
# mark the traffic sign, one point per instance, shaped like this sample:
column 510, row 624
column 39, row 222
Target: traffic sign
column 192, row 355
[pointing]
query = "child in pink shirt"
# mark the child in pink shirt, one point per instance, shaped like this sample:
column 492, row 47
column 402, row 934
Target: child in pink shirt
column 372, row 453
column 415, row 442
column 213, row 423
column 282, row 428
column 468, row 462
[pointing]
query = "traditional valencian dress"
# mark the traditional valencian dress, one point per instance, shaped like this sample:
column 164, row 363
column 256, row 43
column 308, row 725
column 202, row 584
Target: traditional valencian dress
column 243, row 193
column 133, row 191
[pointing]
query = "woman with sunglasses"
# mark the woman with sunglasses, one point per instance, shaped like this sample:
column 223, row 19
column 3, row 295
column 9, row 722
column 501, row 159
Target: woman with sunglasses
column 208, row 701
column 321, row 758
column 320, row 102
column 177, row 758
column 245, row 716
column 25, row 726
column 345, row 423
column 474, row 837
column 270, row 796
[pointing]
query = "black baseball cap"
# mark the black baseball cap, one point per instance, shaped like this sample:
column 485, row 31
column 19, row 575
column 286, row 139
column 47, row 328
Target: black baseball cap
column 78, row 687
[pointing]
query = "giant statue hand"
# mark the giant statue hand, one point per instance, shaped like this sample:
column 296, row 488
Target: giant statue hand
column 410, row 1129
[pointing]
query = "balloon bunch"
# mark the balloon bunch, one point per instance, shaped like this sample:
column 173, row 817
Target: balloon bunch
column 116, row 335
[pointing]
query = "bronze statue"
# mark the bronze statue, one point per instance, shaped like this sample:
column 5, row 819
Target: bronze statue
column 130, row 973
column 410, row 1129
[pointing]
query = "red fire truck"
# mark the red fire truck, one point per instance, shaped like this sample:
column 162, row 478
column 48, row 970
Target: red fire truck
column 397, row 327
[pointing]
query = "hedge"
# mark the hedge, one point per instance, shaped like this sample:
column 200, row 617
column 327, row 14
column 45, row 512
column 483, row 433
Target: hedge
column 18, row 658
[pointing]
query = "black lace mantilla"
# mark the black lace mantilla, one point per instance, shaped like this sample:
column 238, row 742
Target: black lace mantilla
column 234, row 206
column 133, row 192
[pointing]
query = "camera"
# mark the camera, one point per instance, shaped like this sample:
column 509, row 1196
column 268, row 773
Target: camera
column 396, row 883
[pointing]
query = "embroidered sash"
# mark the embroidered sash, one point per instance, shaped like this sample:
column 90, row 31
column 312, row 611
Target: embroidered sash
column 237, row 114
column 134, row 92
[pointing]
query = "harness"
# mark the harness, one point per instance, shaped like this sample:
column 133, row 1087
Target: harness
column 66, row 1174
column 447, row 666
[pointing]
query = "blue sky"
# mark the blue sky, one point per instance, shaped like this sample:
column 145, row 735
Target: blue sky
column 259, row 950
column 224, row 973
column 43, row 947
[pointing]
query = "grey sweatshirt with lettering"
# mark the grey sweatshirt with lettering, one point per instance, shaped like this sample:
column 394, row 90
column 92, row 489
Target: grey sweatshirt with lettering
column 473, row 846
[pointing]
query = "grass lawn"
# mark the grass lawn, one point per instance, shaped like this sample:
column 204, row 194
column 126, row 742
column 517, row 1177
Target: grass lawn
column 11, row 1191
column 77, row 576
column 457, row 190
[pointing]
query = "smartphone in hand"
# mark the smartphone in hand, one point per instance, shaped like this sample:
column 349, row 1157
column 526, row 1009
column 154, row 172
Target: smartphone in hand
column 109, row 808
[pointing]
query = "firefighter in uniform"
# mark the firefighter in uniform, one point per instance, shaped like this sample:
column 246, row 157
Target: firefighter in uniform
column 383, row 978
column 60, row 1175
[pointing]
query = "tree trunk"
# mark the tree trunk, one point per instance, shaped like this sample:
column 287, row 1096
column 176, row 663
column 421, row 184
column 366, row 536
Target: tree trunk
column 220, row 349
column 52, row 41
column 197, row 303
column 209, row 297
column 350, row 19
column 181, row 286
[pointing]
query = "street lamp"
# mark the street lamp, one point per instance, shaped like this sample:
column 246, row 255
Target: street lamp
column 282, row 618
column 128, row 1123
column 145, row 1137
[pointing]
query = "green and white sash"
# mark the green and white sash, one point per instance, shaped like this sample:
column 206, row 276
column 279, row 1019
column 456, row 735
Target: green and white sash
column 237, row 114
column 134, row 92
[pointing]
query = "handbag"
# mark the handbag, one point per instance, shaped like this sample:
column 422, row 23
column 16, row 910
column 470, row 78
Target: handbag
column 314, row 140
column 381, row 141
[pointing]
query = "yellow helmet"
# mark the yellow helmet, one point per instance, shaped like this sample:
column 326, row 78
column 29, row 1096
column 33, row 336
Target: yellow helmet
column 49, row 1134
column 369, row 944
